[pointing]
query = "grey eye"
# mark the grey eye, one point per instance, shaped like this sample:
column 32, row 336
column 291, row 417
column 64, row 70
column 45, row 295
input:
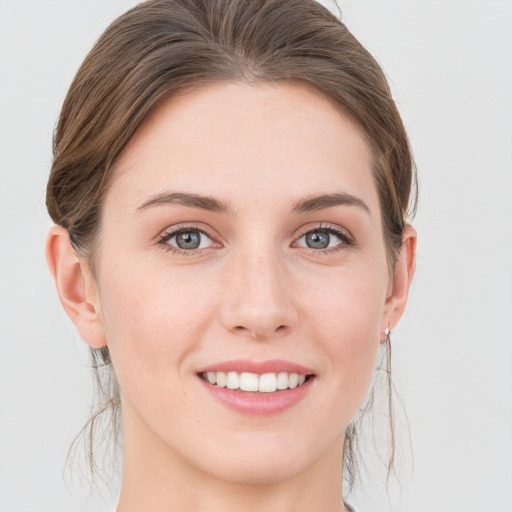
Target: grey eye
column 188, row 239
column 318, row 239
column 321, row 238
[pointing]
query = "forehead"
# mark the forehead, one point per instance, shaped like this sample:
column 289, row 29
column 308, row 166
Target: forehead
column 240, row 142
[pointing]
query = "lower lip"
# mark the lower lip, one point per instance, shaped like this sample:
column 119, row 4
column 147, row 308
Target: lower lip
column 258, row 403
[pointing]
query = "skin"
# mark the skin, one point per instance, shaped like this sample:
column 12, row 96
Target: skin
column 254, row 290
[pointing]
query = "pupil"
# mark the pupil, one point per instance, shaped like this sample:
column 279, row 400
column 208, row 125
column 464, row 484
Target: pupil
column 188, row 240
column 317, row 240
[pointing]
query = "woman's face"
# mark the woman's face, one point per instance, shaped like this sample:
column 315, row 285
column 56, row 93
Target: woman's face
column 242, row 235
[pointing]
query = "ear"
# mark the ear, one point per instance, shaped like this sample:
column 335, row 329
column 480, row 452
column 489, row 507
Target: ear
column 401, row 281
column 76, row 287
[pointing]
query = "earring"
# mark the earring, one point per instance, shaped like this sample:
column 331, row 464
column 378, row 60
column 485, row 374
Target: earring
column 386, row 338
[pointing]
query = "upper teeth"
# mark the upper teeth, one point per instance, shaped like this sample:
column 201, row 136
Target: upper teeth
column 265, row 383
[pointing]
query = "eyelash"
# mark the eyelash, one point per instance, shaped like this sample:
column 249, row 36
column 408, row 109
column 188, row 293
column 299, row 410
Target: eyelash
column 346, row 239
column 167, row 235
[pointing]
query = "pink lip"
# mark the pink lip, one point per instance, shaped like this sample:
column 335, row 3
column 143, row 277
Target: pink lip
column 258, row 403
column 272, row 366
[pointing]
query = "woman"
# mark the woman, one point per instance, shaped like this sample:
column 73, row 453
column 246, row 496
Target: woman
column 230, row 187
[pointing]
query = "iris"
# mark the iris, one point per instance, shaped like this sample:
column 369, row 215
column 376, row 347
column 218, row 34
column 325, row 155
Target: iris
column 318, row 239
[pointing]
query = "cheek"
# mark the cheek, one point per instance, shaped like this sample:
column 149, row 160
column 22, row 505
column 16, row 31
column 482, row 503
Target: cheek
column 347, row 324
column 348, row 304
column 152, row 321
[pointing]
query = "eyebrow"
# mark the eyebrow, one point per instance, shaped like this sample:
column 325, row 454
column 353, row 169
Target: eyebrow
column 186, row 199
column 307, row 204
column 320, row 202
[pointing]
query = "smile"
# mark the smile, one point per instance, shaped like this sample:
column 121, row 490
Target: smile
column 252, row 387
column 253, row 382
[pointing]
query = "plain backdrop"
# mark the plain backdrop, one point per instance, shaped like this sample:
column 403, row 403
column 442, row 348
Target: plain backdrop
column 450, row 66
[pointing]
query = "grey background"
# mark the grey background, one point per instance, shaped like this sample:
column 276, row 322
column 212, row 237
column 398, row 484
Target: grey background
column 450, row 66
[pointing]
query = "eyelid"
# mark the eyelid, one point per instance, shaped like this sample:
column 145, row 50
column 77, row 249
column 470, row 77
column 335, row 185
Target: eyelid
column 166, row 235
column 345, row 237
column 347, row 240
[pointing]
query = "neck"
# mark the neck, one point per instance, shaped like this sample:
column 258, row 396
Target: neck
column 157, row 479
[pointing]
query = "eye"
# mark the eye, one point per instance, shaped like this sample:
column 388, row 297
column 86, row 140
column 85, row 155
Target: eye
column 322, row 238
column 187, row 239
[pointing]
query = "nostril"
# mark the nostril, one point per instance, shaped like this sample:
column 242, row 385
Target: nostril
column 261, row 332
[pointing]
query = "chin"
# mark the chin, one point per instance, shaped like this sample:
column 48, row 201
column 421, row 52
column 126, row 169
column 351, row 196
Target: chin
column 266, row 462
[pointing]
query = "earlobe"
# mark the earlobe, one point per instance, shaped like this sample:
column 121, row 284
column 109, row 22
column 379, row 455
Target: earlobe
column 402, row 277
column 75, row 286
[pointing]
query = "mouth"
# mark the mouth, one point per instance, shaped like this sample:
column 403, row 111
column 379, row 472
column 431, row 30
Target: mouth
column 248, row 382
column 252, row 387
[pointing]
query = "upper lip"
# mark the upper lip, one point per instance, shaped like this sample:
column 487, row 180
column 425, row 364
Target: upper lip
column 260, row 367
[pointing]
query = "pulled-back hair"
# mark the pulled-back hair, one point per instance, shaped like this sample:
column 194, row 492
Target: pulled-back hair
column 163, row 47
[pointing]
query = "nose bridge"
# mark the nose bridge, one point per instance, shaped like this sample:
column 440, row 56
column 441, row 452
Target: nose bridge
column 258, row 299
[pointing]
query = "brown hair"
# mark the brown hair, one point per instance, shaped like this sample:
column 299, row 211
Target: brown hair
column 162, row 47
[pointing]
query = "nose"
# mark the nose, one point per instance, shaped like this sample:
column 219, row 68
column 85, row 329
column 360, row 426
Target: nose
column 258, row 298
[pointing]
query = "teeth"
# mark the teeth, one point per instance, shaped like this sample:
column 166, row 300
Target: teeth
column 246, row 381
column 268, row 383
column 233, row 380
column 282, row 380
column 249, row 382
column 221, row 379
